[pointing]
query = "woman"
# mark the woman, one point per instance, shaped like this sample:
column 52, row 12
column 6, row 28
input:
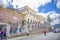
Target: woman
column 45, row 32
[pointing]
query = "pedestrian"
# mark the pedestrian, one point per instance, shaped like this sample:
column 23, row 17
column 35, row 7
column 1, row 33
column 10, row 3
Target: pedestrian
column 27, row 33
column 0, row 35
column 4, row 34
column 45, row 32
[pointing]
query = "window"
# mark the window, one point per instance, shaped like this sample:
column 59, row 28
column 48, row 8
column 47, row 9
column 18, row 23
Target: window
column 38, row 26
column 28, row 26
column 23, row 28
column 1, row 17
column 31, row 13
column 28, row 20
column 31, row 21
column 20, row 30
column 22, row 22
column 32, row 26
column 13, row 28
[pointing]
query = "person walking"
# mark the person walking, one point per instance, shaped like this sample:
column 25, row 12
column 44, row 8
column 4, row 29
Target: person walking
column 27, row 33
column 45, row 32
column 0, row 35
column 4, row 34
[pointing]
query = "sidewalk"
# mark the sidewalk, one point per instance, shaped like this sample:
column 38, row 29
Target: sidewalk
column 17, row 38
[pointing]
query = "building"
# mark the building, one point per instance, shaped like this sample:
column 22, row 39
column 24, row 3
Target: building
column 32, row 20
column 10, row 20
column 20, row 21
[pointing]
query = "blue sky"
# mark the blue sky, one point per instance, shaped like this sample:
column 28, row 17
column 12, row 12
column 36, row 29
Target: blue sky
column 42, row 7
column 49, row 7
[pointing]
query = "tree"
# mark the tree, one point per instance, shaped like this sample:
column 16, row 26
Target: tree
column 49, row 20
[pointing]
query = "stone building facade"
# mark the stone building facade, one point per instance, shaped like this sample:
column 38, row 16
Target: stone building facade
column 24, row 20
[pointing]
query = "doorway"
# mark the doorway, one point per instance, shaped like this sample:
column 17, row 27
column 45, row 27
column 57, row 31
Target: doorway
column 2, row 26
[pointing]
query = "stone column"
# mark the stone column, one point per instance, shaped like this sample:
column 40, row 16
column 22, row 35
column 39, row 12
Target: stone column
column 34, row 26
column 8, row 29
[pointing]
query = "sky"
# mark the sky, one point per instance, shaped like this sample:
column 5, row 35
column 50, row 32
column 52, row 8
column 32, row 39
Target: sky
column 42, row 7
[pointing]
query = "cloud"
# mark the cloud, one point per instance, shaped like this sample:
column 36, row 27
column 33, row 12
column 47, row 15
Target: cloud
column 55, row 22
column 58, row 4
column 34, row 4
column 53, row 15
column 3, row 2
column 43, row 14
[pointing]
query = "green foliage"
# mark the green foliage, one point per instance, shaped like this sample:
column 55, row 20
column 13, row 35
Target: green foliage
column 48, row 18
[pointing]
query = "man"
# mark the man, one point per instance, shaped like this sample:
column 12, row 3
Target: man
column 0, row 35
column 4, row 33
column 27, row 33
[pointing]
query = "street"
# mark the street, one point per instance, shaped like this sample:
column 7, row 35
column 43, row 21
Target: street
column 49, row 36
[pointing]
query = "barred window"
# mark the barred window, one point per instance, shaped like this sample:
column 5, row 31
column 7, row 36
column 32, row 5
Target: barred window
column 28, row 26
column 28, row 20
column 32, row 26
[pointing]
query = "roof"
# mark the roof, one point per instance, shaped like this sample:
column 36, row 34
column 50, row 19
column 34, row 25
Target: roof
column 7, row 10
column 28, row 8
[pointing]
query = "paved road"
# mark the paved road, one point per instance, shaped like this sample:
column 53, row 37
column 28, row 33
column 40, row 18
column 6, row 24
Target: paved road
column 49, row 36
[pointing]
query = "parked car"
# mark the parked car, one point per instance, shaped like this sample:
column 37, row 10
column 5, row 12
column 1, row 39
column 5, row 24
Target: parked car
column 56, row 30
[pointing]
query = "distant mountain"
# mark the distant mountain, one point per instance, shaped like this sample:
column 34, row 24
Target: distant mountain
column 57, row 25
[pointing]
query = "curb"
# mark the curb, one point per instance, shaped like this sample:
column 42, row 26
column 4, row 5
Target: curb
column 18, row 38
